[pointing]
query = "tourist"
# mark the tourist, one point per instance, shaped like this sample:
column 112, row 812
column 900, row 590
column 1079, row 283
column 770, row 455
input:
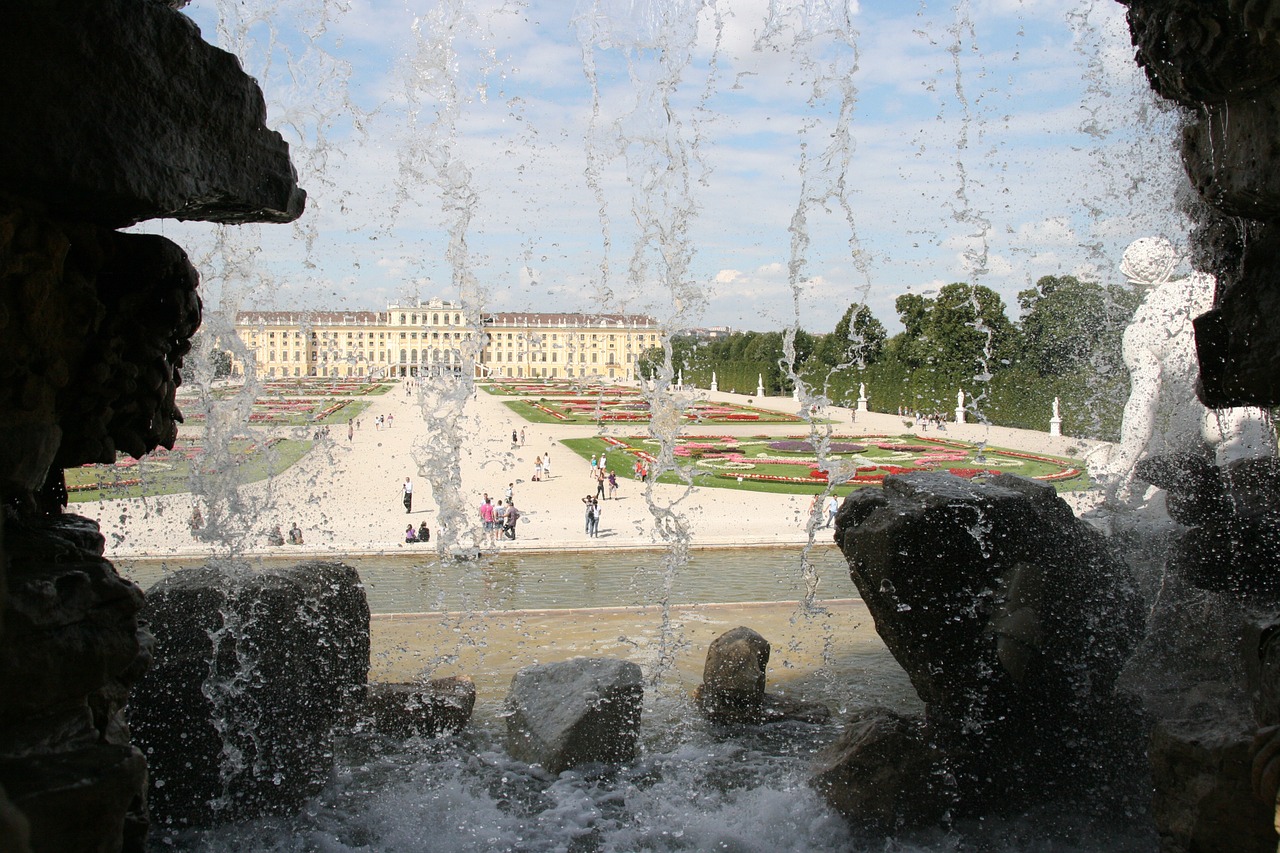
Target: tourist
column 486, row 519
column 613, row 485
column 636, row 469
column 595, row 467
column 833, row 506
column 515, row 439
column 510, row 492
column 275, row 537
column 522, row 436
column 499, row 519
column 410, row 535
column 513, row 515
column 408, row 495
column 424, row 532
column 197, row 519
column 351, row 432
column 295, row 534
column 601, row 479
column 537, row 469
column 546, row 465
column 594, row 509
column 589, row 501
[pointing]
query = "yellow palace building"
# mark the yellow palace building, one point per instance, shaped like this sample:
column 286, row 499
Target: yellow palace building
column 439, row 337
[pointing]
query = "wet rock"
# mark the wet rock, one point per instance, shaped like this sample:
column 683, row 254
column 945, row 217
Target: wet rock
column 70, row 648
column 579, row 711
column 1203, row 799
column 884, row 774
column 1012, row 619
column 1233, row 516
column 255, row 670
column 15, row 830
column 420, row 710
column 87, row 799
column 733, row 686
column 117, row 111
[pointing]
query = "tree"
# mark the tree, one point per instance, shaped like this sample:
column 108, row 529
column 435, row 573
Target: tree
column 1068, row 324
column 961, row 334
column 858, row 339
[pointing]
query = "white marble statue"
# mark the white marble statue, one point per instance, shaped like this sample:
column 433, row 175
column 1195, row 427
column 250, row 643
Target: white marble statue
column 1163, row 414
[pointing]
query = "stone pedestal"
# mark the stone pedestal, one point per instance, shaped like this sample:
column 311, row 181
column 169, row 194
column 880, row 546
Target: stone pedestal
column 1055, row 426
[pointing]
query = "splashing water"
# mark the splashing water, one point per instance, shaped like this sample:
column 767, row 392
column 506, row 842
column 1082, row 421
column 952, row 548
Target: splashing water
column 427, row 176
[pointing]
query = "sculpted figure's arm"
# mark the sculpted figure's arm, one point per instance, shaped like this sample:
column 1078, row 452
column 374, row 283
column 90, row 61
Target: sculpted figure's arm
column 1145, row 377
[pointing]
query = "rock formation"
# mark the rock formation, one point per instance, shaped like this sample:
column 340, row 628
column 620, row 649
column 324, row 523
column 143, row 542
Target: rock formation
column 1013, row 620
column 733, row 684
column 116, row 111
column 1220, row 62
column 420, row 710
column 579, row 711
column 255, row 670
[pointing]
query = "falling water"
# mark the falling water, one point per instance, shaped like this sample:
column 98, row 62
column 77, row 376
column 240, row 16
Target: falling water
column 433, row 168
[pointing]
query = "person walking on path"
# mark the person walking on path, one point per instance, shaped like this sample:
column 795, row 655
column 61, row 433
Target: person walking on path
column 522, row 436
column 408, row 495
column 513, row 515
column 537, row 469
column 595, row 518
column 601, row 479
column 589, row 501
column 515, row 439
column 511, row 492
column 613, row 486
column 595, row 466
column 832, row 506
column 351, row 432
column 546, row 465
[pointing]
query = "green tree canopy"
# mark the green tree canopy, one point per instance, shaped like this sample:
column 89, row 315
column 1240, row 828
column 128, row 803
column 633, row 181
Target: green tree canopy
column 1069, row 324
column 858, row 339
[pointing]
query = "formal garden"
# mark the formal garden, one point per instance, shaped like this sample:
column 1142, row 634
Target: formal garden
column 791, row 464
column 556, row 388
column 635, row 409
column 163, row 472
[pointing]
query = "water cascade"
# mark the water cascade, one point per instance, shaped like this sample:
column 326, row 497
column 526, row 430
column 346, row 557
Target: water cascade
column 1033, row 680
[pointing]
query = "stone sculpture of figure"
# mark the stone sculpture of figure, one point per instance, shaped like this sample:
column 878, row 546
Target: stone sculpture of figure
column 960, row 399
column 1055, row 408
column 1163, row 414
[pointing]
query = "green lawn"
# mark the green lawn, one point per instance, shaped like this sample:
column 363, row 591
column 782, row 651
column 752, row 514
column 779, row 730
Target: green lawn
column 166, row 473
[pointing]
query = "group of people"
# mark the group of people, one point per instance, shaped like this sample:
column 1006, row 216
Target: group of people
column 422, row 534
column 499, row 520
column 275, row 537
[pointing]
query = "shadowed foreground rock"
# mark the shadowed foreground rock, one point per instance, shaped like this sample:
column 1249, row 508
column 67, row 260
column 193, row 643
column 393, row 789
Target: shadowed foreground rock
column 70, row 649
column 579, row 711
column 254, row 672
column 1012, row 620
column 420, row 710
column 733, row 682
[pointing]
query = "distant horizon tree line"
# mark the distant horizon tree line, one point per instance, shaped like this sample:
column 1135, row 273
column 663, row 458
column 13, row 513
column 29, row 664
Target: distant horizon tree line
column 1066, row 343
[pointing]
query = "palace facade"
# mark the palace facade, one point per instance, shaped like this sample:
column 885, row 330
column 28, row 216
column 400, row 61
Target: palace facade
column 438, row 337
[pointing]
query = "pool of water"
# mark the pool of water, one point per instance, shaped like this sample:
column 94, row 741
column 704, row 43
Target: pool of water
column 582, row 579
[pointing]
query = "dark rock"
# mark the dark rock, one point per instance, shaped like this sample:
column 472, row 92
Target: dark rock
column 576, row 712
column 15, row 830
column 91, row 347
column 733, row 684
column 1012, row 619
column 254, row 671
column 79, row 800
column 420, row 710
column 117, row 111
column 883, row 773
column 71, row 644
column 1203, row 799
column 1237, row 343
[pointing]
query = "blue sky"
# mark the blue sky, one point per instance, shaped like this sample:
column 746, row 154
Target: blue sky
column 742, row 163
